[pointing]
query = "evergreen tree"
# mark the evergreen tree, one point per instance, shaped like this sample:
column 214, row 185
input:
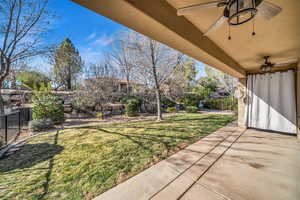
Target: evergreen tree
column 190, row 71
column 67, row 64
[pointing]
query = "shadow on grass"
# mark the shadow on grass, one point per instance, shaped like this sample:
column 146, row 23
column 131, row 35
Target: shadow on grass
column 146, row 140
column 31, row 155
column 209, row 118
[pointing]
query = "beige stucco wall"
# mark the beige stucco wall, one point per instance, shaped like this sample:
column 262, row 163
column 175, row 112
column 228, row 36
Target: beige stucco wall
column 241, row 103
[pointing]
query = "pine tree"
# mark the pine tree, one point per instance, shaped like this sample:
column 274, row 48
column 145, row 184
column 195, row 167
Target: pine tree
column 67, row 64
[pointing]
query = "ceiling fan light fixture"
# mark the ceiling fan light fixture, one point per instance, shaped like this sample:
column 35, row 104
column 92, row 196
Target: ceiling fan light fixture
column 240, row 11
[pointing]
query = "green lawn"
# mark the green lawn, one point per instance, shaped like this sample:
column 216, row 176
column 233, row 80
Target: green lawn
column 84, row 162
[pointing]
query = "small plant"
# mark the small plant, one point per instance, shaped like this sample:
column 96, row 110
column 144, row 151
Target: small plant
column 171, row 109
column 100, row 115
column 40, row 125
column 191, row 100
column 47, row 106
column 132, row 107
column 191, row 109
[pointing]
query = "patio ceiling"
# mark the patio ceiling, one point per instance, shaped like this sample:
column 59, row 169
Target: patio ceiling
column 158, row 19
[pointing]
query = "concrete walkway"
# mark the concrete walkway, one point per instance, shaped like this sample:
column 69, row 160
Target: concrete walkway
column 229, row 164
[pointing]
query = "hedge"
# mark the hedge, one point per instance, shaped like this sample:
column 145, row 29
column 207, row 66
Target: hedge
column 229, row 103
column 191, row 109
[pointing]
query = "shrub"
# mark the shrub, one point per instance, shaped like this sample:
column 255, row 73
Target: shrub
column 47, row 106
column 191, row 100
column 167, row 102
column 191, row 109
column 171, row 109
column 1, row 141
column 40, row 125
column 132, row 107
column 126, row 99
column 228, row 103
column 100, row 115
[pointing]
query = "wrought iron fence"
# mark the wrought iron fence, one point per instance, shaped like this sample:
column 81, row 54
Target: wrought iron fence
column 11, row 125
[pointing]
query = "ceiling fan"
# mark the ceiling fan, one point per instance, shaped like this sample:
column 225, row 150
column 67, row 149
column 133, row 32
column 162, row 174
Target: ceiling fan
column 268, row 65
column 236, row 12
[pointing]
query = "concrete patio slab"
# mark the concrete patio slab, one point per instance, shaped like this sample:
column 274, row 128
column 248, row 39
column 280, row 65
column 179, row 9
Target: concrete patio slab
column 229, row 164
column 146, row 184
column 260, row 165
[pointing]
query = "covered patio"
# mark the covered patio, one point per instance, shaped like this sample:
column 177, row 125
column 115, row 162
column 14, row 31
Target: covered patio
column 236, row 162
column 228, row 164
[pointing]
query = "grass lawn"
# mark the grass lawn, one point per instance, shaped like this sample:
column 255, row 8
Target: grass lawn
column 84, row 162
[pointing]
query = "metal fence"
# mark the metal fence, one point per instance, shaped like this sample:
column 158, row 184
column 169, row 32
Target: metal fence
column 11, row 125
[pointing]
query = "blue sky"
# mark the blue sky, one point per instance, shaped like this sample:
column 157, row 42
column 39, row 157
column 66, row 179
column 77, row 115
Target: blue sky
column 91, row 33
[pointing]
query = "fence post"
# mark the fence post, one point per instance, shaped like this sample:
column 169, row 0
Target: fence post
column 19, row 122
column 5, row 124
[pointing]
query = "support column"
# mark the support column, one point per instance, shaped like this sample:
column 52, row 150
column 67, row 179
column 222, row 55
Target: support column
column 298, row 99
column 241, row 103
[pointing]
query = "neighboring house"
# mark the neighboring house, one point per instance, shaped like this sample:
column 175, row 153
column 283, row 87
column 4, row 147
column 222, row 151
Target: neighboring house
column 119, row 84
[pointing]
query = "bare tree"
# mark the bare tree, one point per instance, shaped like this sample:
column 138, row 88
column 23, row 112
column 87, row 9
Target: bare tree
column 21, row 24
column 155, row 65
column 224, row 81
column 123, row 56
column 101, row 86
column 181, row 80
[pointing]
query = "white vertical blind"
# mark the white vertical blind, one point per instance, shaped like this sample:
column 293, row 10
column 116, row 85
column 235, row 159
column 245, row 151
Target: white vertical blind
column 271, row 102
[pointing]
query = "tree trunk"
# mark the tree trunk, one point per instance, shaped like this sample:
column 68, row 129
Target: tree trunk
column 2, row 111
column 157, row 94
column 69, row 86
column 159, row 113
column 128, row 86
column 69, row 79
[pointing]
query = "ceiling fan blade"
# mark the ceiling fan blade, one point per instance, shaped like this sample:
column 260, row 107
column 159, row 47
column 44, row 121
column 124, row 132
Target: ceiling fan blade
column 216, row 25
column 267, row 10
column 192, row 9
column 284, row 63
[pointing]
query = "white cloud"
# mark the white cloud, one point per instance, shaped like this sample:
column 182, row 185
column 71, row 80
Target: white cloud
column 90, row 54
column 91, row 36
column 103, row 40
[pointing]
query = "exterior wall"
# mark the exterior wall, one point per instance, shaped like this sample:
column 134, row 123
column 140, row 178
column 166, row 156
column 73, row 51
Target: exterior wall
column 298, row 100
column 241, row 103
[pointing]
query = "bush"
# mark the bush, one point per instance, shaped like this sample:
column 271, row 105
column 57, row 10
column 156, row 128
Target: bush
column 40, row 125
column 2, row 142
column 132, row 107
column 100, row 115
column 167, row 102
column 228, row 103
column 191, row 100
column 47, row 106
column 126, row 99
column 171, row 109
column 191, row 109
